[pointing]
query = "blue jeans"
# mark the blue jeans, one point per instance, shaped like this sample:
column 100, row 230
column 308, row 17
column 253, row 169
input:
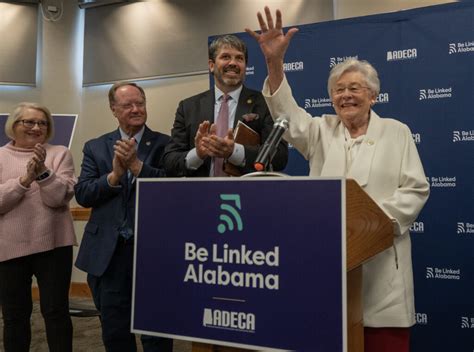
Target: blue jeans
column 53, row 273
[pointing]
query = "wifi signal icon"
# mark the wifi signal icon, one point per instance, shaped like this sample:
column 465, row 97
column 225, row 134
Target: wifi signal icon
column 429, row 273
column 307, row 103
column 423, row 94
column 456, row 136
column 332, row 62
column 461, row 228
column 465, row 323
column 452, row 48
column 230, row 214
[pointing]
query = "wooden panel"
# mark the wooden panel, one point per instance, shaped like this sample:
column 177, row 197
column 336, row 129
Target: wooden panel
column 355, row 324
column 80, row 214
column 205, row 347
column 369, row 230
column 77, row 289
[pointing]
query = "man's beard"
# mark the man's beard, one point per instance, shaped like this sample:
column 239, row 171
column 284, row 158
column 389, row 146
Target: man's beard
column 227, row 81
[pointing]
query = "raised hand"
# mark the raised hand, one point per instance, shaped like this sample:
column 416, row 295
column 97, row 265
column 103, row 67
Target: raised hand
column 273, row 43
column 272, row 40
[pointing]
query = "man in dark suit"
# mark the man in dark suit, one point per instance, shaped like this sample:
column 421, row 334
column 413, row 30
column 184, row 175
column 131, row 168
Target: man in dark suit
column 196, row 148
column 110, row 167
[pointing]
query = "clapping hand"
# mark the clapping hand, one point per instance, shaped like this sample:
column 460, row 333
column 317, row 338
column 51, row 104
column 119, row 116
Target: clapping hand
column 35, row 166
column 199, row 140
column 220, row 147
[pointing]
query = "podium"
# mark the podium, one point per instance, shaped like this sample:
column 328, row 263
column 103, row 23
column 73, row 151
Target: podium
column 308, row 236
column 369, row 231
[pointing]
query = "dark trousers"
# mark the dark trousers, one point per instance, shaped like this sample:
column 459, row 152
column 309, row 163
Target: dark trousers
column 112, row 293
column 53, row 273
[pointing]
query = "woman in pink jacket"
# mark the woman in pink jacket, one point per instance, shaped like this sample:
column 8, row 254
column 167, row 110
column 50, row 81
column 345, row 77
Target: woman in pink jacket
column 36, row 229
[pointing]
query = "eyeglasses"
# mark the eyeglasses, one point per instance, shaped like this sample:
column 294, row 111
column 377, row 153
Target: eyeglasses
column 31, row 124
column 130, row 106
column 355, row 89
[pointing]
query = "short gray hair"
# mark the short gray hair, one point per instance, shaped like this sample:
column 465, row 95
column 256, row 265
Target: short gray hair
column 354, row 65
column 17, row 114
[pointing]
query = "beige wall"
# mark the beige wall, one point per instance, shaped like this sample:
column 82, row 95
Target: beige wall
column 355, row 8
column 59, row 81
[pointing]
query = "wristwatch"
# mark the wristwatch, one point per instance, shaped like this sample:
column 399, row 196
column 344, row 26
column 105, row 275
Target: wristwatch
column 43, row 175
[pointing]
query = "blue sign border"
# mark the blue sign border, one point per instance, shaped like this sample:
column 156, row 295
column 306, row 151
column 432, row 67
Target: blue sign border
column 155, row 220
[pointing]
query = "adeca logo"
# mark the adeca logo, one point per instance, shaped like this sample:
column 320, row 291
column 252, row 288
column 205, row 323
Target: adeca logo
column 250, row 70
column 405, row 54
column 416, row 138
column 293, row 66
column 417, row 227
column 421, row 318
column 382, row 98
column 223, row 319
column 463, row 136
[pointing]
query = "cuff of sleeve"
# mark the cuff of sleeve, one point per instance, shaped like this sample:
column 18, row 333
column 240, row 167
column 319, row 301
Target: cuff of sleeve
column 193, row 162
column 266, row 87
column 111, row 186
column 238, row 155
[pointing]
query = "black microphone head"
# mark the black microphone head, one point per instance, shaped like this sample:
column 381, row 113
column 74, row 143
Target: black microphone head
column 282, row 121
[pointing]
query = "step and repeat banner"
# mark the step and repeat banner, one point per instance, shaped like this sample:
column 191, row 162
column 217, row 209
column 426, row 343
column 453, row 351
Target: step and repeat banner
column 425, row 60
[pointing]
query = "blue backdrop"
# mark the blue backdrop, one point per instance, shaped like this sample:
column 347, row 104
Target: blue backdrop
column 425, row 60
column 63, row 129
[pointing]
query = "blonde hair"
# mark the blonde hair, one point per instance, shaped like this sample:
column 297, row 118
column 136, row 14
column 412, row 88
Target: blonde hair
column 17, row 114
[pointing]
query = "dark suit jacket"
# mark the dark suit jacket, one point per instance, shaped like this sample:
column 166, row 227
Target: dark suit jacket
column 109, row 203
column 194, row 110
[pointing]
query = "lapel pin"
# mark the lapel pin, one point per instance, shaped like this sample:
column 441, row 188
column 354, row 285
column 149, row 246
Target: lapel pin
column 249, row 101
column 370, row 142
column 148, row 143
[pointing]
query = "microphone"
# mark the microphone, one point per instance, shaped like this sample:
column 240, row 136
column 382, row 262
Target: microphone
column 266, row 154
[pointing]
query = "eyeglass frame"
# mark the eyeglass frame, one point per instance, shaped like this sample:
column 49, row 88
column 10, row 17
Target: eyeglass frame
column 41, row 124
column 354, row 89
column 130, row 106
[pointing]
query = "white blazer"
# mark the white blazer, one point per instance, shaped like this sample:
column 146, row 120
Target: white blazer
column 389, row 169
